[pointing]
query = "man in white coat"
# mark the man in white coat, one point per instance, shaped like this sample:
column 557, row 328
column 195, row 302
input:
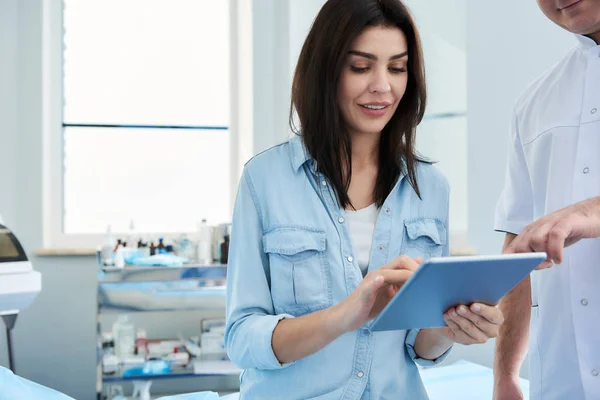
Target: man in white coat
column 551, row 200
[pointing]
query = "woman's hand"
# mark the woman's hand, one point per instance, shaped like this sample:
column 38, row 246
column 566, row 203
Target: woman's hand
column 373, row 293
column 470, row 325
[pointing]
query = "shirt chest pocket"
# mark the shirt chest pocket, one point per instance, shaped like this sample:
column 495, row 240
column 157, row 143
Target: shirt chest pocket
column 300, row 279
column 424, row 237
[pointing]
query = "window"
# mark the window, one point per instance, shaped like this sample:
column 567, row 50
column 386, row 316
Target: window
column 145, row 116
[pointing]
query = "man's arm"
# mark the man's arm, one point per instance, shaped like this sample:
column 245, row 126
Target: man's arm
column 513, row 337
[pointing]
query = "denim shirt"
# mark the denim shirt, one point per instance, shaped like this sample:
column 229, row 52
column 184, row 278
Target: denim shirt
column 291, row 254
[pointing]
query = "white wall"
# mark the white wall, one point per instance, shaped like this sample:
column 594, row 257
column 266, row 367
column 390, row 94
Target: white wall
column 270, row 70
column 302, row 14
column 279, row 29
column 509, row 43
column 442, row 136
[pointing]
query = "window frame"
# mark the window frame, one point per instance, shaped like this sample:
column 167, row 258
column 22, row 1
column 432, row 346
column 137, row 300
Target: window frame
column 53, row 234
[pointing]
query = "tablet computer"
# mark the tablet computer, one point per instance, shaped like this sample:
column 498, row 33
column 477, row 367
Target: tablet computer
column 441, row 283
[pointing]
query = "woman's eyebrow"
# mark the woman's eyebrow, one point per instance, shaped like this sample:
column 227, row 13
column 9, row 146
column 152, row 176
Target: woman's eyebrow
column 374, row 57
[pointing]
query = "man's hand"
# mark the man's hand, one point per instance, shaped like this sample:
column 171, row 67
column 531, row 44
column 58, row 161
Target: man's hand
column 552, row 233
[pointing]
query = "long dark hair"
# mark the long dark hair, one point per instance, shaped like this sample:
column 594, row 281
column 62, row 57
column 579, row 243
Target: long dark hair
column 315, row 88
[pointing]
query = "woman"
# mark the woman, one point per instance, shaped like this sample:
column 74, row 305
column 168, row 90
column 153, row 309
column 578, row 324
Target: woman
column 328, row 226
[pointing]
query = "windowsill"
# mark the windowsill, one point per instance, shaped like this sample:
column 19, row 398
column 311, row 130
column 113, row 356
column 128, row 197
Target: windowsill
column 66, row 252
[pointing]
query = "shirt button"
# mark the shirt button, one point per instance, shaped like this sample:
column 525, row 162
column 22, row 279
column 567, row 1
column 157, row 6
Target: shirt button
column 360, row 374
column 324, row 183
column 595, row 372
column 387, row 210
column 341, row 220
column 584, row 302
column 586, row 170
column 350, row 259
column 593, row 110
column 381, row 247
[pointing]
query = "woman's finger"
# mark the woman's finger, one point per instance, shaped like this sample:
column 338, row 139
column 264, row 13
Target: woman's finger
column 469, row 328
column 395, row 276
column 371, row 283
column 488, row 328
column 402, row 262
column 490, row 313
column 458, row 335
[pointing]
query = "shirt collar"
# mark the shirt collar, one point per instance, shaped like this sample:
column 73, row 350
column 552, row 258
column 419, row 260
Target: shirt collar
column 300, row 154
column 586, row 42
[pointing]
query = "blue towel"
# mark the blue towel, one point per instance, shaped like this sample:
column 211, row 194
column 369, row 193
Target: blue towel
column 149, row 368
column 158, row 260
column 193, row 396
column 14, row 387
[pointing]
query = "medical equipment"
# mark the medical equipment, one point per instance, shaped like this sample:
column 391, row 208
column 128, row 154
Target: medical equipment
column 19, row 283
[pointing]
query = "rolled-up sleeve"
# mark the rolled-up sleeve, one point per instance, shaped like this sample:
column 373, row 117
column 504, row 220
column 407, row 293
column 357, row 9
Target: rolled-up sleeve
column 409, row 342
column 250, row 316
column 514, row 210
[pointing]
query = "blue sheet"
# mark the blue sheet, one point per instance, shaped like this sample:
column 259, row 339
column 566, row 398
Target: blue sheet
column 459, row 381
column 14, row 387
column 462, row 381
column 194, row 396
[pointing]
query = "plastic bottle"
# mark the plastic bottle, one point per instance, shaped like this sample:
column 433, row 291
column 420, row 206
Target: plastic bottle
column 124, row 336
column 108, row 247
column 131, row 237
column 204, row 247
column 120, row 258
column 161, row 248
column 141, row 343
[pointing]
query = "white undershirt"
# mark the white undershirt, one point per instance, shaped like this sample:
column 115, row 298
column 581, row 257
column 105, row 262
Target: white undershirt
column 361, row 225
